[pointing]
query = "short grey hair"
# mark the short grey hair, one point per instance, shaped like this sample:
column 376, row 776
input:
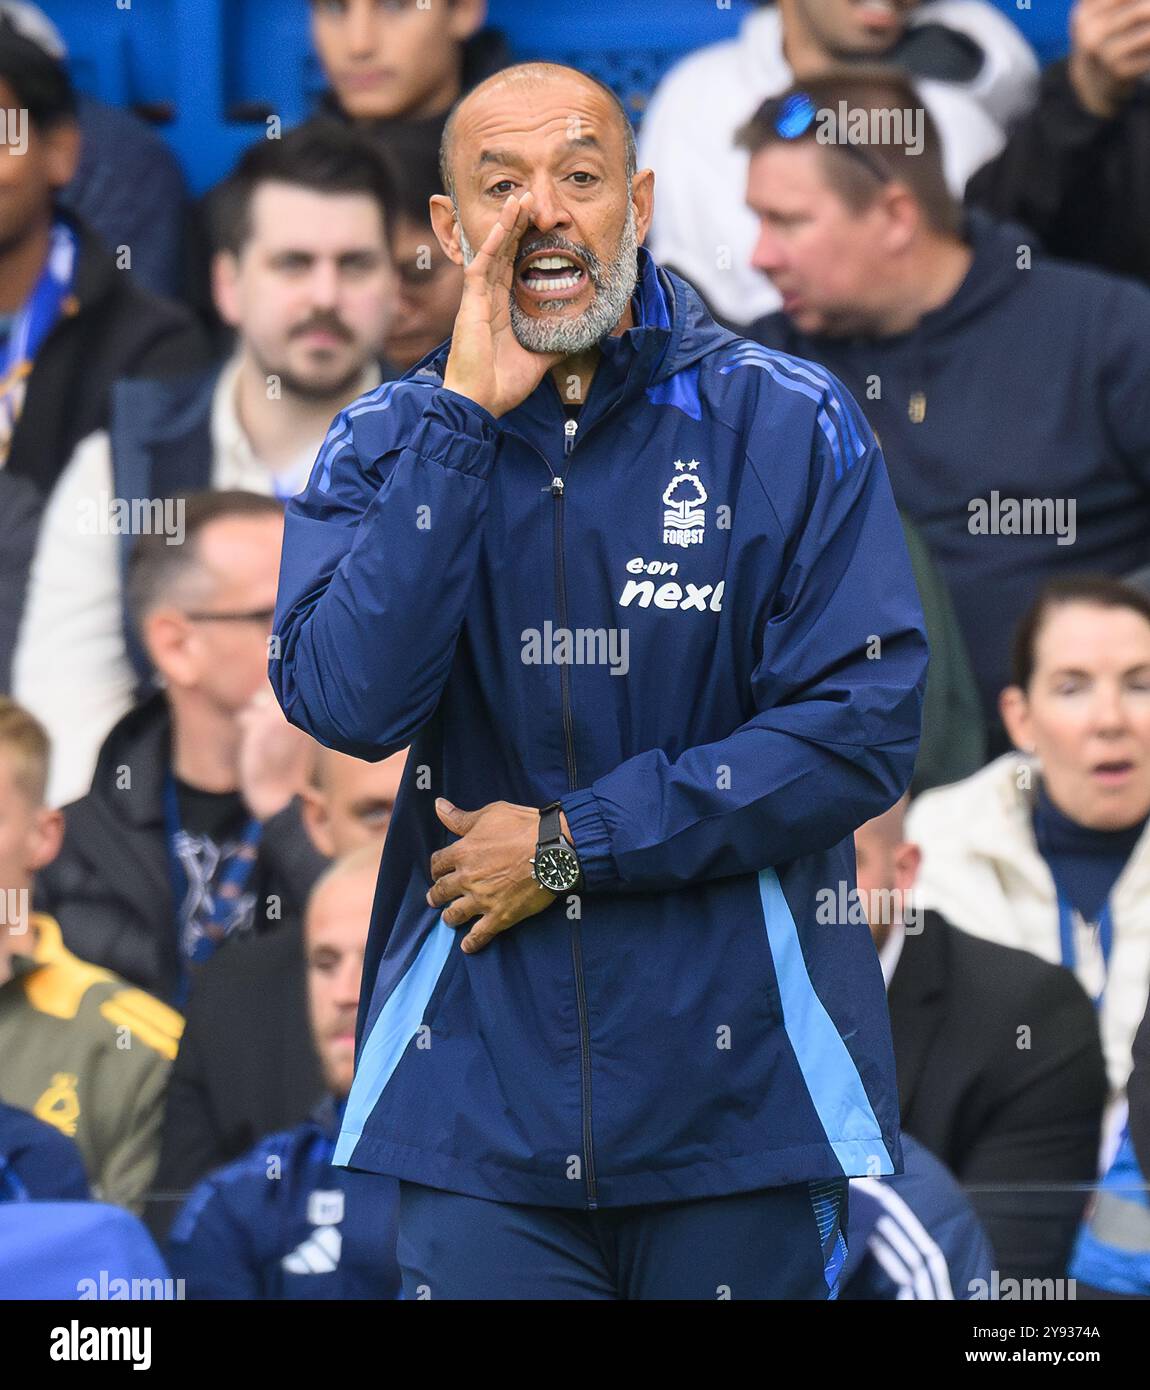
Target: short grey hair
column 536, row 73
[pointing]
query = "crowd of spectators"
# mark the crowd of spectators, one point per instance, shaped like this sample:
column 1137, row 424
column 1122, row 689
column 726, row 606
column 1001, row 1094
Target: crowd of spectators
column 186, row 880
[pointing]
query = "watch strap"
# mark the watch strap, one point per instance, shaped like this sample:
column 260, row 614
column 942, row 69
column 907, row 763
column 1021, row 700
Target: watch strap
column 550, row 826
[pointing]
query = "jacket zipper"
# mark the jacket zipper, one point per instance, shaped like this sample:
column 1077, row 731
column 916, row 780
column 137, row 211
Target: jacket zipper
column 558, row 487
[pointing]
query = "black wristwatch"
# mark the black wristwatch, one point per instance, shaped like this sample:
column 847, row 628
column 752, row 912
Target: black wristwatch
column 556, row 865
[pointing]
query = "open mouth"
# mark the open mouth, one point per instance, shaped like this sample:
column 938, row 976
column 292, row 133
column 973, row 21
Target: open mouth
column 1117, row 770
column 552, row 275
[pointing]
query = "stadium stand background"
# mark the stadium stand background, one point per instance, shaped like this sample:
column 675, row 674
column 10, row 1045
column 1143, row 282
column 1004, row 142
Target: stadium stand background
column 156, row 56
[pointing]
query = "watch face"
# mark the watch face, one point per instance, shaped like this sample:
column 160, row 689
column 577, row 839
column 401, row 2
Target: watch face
column 556, row 869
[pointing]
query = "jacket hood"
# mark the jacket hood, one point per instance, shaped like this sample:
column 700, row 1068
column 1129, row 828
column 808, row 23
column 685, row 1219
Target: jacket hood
column 993, row 273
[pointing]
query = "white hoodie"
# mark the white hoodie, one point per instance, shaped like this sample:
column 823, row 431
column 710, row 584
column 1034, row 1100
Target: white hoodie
column 702, row 225
column 982, row 870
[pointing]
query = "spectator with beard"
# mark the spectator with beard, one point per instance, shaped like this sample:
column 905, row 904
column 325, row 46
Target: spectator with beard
column 303, row 274
column 247, row 1065
column 972, row 69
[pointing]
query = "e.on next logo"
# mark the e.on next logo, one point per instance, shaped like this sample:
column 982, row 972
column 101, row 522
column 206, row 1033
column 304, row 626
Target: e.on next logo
column 671, row 594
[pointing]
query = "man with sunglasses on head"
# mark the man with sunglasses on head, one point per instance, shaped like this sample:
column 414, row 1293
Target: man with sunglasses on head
column 191, row 833
column 1008, row 389
column 971, row 66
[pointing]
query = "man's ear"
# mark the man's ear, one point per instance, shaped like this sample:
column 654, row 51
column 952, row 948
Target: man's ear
column 316, row 820
column 643, row 198
column 904, row 216
column 907, row 861
column 445, row 225
column 168, row 639
column 226, row 287
column 62, row 152
column 47, row 837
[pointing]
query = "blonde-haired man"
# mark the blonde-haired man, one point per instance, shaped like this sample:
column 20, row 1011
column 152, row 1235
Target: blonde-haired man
column 82, row 1050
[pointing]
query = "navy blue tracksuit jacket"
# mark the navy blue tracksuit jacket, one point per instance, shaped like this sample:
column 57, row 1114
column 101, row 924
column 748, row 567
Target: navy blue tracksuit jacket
column 282, row 1223
column 687, row 1027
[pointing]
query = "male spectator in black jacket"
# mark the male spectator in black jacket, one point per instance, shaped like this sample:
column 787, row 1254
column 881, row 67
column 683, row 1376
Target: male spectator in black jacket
column 247, row 1066
column 999, row 1061
column 190, row 833
column 1076, row 169
column 71, row 322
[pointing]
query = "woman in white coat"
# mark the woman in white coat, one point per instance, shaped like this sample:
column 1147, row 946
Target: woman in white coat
column 1047, row 849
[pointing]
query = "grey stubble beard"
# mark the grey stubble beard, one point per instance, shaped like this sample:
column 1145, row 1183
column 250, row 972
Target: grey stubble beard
column 614, row 287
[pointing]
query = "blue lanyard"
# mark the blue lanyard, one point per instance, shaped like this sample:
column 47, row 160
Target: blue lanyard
column 42, row 307
column 1066, row 937
column 227, row 885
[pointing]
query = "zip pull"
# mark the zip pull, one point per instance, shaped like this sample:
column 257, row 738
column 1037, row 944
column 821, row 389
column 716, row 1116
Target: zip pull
column 570, row 430
column 556, row 486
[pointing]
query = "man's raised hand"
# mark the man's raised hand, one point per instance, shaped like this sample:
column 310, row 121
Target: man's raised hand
column 487, row 363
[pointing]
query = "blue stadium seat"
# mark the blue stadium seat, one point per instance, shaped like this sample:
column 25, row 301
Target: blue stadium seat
column 209, row 72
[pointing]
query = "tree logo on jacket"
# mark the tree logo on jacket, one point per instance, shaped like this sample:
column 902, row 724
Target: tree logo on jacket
column 684, row 518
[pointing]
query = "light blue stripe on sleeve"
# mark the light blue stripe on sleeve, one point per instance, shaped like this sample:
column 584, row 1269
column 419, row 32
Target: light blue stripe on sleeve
column 397, row 1024
column 831, row 1077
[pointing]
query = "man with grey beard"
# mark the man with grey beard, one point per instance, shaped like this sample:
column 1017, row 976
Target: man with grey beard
column 645, row 1071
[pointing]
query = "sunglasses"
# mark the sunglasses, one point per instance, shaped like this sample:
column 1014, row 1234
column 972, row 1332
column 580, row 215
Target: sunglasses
column 792, row 117
column 256, row 615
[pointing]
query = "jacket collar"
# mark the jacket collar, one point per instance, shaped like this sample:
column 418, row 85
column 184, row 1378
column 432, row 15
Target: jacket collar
column 141, row 740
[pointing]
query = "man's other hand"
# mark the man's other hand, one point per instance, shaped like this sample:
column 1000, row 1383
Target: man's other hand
column 487, row 871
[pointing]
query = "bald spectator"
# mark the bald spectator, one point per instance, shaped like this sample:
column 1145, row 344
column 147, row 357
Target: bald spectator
column 998, row 1056
column 281, row 1222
